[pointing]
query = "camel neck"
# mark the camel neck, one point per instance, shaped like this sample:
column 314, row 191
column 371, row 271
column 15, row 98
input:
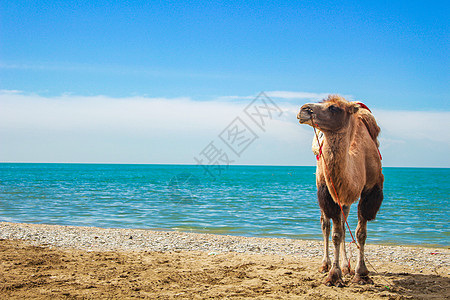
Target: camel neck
column 336, row 147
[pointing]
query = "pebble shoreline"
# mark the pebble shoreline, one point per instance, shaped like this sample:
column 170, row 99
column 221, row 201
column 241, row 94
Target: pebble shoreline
column 102, row 239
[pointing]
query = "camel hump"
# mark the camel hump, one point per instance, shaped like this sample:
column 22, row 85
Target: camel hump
column 366, row 116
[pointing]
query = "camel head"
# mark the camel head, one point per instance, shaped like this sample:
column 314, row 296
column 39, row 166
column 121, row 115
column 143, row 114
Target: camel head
column 332, row 114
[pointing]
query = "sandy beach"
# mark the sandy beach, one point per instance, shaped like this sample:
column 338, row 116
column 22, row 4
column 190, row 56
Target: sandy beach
column 49, row 261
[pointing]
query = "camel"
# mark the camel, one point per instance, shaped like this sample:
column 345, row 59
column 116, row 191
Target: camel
column 349, row 158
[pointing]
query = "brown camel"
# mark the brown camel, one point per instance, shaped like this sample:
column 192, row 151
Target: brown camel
column 350, row 153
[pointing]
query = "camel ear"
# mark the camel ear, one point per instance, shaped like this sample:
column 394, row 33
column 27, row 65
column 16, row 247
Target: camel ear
column 354, row 108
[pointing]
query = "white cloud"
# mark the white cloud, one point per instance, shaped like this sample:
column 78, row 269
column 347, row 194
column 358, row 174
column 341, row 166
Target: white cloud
column 73, row 128
column 414, row 138
column 416, row 125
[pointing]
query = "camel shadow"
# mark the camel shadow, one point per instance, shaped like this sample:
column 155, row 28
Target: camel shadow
column 417, row 286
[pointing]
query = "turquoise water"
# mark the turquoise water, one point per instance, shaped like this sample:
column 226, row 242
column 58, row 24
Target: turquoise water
column 261, row 201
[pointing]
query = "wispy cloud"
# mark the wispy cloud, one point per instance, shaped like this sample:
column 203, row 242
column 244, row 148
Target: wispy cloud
column 296, row 95
column 74, row 128
column 133, row 70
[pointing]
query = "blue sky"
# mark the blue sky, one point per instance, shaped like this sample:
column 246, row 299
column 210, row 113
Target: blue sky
column 93, row 57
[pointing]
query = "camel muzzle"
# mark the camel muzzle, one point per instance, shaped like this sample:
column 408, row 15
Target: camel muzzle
column 304, row 115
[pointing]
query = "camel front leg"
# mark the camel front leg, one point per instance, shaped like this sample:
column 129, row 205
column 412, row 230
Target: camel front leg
column 326, row 225
column 335, row 275
column 361, row 271
column 345, row 266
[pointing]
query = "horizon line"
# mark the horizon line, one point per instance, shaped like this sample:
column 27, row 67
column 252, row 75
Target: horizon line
column 193, row 164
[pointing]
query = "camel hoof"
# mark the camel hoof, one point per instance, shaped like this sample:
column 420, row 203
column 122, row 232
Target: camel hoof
column 324, row 268
column 334, row 279
column 362, row 279
column 337, row 283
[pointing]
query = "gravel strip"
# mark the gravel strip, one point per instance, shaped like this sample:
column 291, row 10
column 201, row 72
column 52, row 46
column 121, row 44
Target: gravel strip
column 100, row 239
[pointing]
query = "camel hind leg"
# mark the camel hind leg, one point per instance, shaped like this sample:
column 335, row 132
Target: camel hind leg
column 367, row 210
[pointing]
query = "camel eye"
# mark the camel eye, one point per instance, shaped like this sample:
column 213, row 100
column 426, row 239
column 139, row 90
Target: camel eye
column 334, row 109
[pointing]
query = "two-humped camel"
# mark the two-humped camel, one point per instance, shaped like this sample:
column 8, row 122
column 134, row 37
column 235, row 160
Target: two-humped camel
column 350, row 153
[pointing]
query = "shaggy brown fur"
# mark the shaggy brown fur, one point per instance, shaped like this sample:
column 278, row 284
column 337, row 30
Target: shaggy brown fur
column 350, row 151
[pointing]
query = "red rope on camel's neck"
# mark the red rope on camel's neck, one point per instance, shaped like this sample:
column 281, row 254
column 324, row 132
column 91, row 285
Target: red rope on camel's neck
column 331, row 180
